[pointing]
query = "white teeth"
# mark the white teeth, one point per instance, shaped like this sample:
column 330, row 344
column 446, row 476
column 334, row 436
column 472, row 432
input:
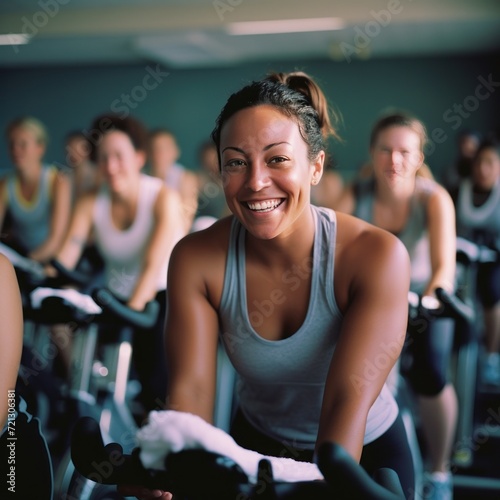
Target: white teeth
column 264, row 205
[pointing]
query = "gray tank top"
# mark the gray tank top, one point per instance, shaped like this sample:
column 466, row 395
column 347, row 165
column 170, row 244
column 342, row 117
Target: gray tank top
column 414, row 234
column 482, row 223
column 31, row 219
column 281, row 383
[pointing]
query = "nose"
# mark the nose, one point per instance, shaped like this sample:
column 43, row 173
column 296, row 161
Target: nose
column 109, row 165
column 257, row 176
column 396, row 157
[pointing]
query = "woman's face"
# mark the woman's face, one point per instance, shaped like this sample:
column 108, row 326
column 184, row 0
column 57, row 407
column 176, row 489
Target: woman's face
column 396, row 155
column 119, row 162
column 164, row 152
column 25, row 150
column 78, row 151
column 486, row 169
column 266, row 171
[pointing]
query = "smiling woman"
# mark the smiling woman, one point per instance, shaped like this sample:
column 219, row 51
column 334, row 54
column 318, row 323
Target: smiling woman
column 135, row 221
column 300, row 351
column 420, row 212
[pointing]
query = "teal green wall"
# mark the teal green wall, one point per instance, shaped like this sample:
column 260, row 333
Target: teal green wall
column 188, row 101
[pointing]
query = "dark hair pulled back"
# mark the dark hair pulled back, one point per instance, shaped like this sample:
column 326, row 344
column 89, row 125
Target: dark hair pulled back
column 294, row 94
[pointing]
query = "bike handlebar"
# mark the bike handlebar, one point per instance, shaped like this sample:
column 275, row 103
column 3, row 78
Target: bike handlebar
column 191, row 473
column 71, row 275
column 447, row 305
column 58, row 309
column 454, row 306
column 469, row 252
column 111, row 305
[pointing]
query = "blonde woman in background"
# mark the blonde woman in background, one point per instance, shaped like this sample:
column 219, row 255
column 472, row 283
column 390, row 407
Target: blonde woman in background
column 36, row 196
column 420, row 212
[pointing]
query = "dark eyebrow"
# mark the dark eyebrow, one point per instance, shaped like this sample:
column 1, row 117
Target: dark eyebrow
column 266, row 148
column 275, row 144
column 234, row 148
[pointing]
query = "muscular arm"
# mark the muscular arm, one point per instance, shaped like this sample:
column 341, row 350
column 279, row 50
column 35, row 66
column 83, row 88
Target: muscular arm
column 168, row 226
column 442, row 241
column 61, row 209
column 11, row 334
column 191, row 332
column 374, row 274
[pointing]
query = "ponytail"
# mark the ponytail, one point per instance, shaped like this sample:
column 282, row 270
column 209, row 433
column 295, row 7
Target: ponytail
column 294, row 94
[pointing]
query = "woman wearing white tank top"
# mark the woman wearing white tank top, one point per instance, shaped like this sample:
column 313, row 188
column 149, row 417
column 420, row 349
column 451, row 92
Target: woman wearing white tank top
column 136, row 221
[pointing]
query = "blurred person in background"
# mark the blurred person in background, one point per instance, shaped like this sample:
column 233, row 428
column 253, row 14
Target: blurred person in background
column 420, row 212
column 467, row 143
column 85, row 175
column 164, row 154
column 35, row 197
column 136, row 221
column 478, row 219
column 211, row 200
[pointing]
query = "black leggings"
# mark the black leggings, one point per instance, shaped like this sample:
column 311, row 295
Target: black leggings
column 488, row 283
column 428, row 351
column 389, row 450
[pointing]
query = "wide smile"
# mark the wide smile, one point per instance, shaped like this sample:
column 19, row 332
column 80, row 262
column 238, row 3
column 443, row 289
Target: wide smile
column 264, row 206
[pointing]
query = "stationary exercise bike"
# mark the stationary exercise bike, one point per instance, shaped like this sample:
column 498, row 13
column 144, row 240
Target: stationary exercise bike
column 198, row 474
column 97, row 386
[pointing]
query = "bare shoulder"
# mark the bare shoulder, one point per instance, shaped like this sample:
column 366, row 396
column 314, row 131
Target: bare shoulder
column 167, row 197
column 200, row 258
column 439, row 199
column 84, row 206
column 206, row 243
column 357, row 238
column 346, row 201
column 189, row 179
column 60, row 179
column 368, row 255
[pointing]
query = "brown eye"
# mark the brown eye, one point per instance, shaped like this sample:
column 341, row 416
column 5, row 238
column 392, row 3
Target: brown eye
column 234, row 164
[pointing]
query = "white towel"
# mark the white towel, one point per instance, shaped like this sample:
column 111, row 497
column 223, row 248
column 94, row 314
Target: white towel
column 82, row 302
column 172, row 431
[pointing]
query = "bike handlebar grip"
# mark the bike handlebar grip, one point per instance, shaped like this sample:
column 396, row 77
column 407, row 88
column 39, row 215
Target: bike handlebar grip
column 455, row 305
column 71, row 276
column 348, row 479
column 140, row 319
column 467, row 250
column 106, row 464
column 389, row 479
column 87, row 448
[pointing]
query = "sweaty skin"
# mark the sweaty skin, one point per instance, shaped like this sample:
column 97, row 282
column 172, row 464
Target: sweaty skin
column 267, row 186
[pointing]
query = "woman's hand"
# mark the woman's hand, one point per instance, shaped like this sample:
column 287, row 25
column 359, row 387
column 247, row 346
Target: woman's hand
column 143, row 493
